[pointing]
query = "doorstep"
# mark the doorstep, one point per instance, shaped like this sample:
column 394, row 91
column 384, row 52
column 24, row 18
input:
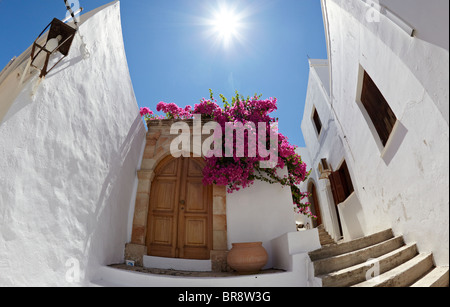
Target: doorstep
column 177, row 264
column 186, row 273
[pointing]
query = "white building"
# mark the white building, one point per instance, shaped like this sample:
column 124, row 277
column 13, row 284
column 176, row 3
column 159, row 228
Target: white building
column 377, row 116
column 80, row 173
column 69, row 146
column 77, row 166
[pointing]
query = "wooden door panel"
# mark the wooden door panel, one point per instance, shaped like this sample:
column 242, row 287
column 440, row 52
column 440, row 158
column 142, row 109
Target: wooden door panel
column 161, row 236
column 316, row 205
column 162, row 230
column 195, row 197
column 195, row 235
column 337, row 187
column 164, row 196
column 180, row 213
column 163, row 210
column 170, row 169
column 195, row 231
column 195, row 169
column 196, row 238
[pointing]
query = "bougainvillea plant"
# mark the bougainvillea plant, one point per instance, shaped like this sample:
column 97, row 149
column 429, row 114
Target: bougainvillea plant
column 237, row 171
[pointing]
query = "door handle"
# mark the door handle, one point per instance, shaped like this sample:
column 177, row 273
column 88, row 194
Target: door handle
column 182, row 202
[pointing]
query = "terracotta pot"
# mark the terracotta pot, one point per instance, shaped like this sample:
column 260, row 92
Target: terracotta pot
column 247, row 257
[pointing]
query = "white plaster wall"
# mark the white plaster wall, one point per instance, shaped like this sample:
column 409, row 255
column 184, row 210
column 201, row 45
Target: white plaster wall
column 68, row 159
column 428, row 18
column 328, row 145
column 260, row 213
column 291, row 255
column 352, row 218
column 405, row 186
column 304, row 153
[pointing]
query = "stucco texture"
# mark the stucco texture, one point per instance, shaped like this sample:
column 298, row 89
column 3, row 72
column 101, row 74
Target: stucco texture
column 404, row 185
column 69, row 149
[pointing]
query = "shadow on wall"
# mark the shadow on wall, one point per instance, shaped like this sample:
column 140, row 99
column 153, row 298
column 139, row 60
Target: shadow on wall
column 352, row 218
column 22, row 100
column 418, row 12
column 397, row 137
column 109, row 223
column 430, row 40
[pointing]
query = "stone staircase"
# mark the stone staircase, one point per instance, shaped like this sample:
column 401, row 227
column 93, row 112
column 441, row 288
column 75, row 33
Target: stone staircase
column 378, row 260
column 324, row 237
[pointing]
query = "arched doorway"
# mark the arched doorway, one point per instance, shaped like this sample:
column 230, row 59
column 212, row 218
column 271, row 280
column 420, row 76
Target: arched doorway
column 315, row 206
column 180, row 211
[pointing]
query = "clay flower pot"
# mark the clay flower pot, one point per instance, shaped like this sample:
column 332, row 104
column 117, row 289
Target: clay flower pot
column 247, row 257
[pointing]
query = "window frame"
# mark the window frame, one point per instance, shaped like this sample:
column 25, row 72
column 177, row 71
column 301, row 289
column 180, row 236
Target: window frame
column 382, row 146
column 315, row 115
column 342, row 186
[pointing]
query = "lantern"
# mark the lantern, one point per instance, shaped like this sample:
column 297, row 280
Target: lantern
column 59, row 39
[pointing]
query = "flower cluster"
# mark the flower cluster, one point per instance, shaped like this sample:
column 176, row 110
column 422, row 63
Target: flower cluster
column 173, row 111
column 149, row 115
column 208, row 108
column 239, row 171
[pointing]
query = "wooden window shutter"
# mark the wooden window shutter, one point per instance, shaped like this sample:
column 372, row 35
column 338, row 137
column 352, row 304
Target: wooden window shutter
column 317, row 121
column 346, row 179
column 381, row 114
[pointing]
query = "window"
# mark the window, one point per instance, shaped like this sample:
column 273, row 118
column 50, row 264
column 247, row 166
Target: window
column 317, row 122
column 381, row 115
column 341, row 184
column 324, row 164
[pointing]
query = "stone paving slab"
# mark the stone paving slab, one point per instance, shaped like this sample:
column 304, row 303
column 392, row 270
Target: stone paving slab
column 187, row 273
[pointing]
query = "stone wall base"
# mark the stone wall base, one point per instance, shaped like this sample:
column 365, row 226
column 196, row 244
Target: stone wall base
column 219, row 261
column 135, row 252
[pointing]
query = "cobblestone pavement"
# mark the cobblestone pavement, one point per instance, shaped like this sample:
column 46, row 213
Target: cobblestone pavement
column 186, row 273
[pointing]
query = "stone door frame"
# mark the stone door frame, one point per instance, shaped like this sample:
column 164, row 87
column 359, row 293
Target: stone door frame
column 156, row 149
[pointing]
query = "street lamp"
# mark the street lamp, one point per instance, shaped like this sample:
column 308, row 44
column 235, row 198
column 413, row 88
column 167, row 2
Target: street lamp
column 59, row 39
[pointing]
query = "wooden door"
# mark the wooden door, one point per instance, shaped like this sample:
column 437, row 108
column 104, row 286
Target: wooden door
column 337, row 187
column 180, row 211
column 316, row 206
column 341, row 184
column 337, row 191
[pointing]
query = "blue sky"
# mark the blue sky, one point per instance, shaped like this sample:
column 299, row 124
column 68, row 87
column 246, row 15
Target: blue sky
column 175, row 55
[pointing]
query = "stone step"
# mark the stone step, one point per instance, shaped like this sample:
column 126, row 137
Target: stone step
column 437, row 277
column 323, row 231
column 335, row 263
column 357, row 273
column 324, row 236
column 345, row 247
column 403, row 275
column 327, row 242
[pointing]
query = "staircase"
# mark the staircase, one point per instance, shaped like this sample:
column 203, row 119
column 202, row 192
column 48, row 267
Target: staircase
column 378, row 260
column 324, row 237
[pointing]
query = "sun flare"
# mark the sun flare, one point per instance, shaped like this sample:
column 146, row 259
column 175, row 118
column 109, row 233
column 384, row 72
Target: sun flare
column 226, row 25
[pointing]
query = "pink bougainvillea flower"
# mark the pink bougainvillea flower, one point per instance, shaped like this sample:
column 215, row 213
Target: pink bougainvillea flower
column 238, row 172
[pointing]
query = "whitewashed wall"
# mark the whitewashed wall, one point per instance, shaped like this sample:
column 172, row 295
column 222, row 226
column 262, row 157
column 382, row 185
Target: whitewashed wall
column 68, row 160
column 326, row 145
column 260, row 213
column 406, row 185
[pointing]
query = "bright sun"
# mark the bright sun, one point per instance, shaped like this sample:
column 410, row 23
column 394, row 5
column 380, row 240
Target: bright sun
column 226, row 25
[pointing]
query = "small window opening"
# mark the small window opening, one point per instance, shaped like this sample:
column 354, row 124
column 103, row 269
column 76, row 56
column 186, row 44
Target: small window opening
column 381, row 114
column 317, row 122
